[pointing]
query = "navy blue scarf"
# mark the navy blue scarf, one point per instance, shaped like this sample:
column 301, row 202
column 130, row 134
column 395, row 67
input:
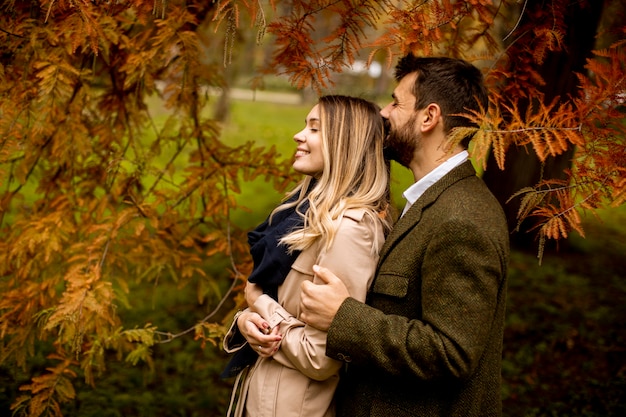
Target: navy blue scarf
column 272, row 262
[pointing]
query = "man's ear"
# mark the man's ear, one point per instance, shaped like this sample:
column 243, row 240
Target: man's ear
column 431, row 116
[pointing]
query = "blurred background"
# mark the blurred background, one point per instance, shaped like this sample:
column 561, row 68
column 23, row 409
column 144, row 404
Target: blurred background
column 149, row 344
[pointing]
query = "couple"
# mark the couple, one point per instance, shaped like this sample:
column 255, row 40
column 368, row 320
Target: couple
column 349, row 317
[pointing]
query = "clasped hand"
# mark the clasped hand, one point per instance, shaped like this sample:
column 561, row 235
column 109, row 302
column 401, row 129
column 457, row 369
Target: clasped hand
column 319, row 304
column 255, row 329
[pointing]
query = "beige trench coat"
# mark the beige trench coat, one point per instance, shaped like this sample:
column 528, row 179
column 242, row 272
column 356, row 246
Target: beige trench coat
column 300, row 380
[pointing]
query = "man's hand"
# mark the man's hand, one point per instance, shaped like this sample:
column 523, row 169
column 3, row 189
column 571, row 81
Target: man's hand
column 319, row 302
column 256, row 330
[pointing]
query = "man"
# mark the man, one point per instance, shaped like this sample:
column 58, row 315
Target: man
column 428, row 340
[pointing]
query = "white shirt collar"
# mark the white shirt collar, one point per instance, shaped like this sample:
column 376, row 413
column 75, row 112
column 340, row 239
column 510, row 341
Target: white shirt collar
column 416, row 190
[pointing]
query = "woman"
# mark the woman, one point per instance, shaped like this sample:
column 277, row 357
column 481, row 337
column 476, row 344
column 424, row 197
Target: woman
column 336, row 217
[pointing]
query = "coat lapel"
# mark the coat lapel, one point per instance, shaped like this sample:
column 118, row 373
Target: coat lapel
column 413, row 216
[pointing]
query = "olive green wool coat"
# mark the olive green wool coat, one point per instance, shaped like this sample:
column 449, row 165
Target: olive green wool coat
column 428, row 341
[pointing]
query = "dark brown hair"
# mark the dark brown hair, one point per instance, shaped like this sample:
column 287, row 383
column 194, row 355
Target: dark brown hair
column 454, row 84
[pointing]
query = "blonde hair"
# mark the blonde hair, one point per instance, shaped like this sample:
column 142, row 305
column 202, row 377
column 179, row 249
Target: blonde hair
column 355, row 173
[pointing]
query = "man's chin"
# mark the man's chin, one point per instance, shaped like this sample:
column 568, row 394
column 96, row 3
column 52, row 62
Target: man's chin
column 391, row 155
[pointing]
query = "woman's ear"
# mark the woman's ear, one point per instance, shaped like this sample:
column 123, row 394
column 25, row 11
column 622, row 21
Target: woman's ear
column 431, row 116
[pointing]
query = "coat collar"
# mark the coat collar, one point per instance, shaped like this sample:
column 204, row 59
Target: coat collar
column 412, row 217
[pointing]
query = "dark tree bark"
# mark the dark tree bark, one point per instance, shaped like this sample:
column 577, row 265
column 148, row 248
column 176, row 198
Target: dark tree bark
column 522, row 167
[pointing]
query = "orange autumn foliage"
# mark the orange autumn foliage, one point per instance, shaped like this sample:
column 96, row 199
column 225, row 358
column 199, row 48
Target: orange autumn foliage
column 94, row 194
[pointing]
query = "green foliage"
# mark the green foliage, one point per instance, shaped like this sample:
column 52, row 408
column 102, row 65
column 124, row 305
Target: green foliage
column 180, row 378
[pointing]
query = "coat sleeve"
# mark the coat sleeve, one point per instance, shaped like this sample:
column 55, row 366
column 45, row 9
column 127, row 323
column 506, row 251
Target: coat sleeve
column 461, row 284
column 350, row 257
column 234, row 340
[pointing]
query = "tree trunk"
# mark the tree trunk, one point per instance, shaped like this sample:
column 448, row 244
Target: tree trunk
column 522, row 167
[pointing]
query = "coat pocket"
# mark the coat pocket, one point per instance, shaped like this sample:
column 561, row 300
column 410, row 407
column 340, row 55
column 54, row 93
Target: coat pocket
column 391, row 284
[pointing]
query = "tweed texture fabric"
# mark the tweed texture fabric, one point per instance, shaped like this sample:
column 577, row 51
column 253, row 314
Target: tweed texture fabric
column 428, row 340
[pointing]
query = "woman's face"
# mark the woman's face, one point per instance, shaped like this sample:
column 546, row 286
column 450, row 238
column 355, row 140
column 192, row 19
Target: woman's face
column 309, row 159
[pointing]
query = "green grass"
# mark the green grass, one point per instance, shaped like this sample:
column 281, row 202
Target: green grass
column 564, row 348
column 272, row 124
column 265, row 124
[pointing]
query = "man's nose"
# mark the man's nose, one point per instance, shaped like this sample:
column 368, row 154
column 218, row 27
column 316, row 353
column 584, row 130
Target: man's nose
column 385, row 111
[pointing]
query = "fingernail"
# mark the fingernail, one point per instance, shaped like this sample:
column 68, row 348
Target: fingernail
column 316, row 268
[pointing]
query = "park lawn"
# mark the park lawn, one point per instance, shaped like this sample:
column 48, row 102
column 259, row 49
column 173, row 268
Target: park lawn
column 564, row 344
column 275, row 124
column 564, row 349
column 265, row 124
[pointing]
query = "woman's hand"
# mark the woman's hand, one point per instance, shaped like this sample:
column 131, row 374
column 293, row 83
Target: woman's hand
column 256, row 330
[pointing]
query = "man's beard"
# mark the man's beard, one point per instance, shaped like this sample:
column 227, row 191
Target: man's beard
column 401, row 143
